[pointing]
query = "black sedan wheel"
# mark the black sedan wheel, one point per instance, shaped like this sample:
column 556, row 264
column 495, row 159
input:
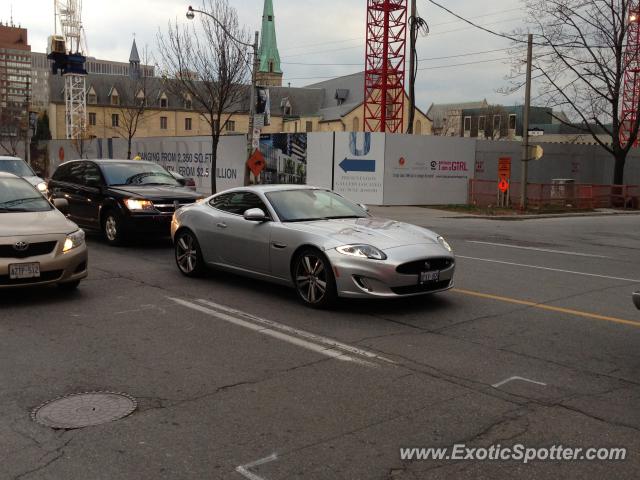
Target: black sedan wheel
column 112, row 228
column 314, row 280
column 188, row 254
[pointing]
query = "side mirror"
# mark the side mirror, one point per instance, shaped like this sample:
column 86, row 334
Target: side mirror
column 364, row 207
column 61, row 204
column 636, row 299
column 255, row 215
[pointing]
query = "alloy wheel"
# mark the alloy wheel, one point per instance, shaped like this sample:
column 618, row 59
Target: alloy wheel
column 187, row 254
column 111, row 228
column 311, row 278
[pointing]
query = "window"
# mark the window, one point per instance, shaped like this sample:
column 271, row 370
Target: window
column 496, row 125
column 92, row 118
column 188, row 104
column 270, row 66
column 115, row 120
column 237, row 203
column 418, row 128
column 91, row 175
column 115, row 98
column 92, row 98
column 270, row 18
column 231, row 126
column 512, row 122
column 467, row 126
column 163, row 123
column 187, row 124
column 309, row 126
column 481, row 123
column 356, row 124
column 164, row 103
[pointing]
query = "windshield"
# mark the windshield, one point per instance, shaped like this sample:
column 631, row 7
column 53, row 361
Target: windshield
column 16, row 166
column 137, row 174
column 304, row 205
column 17, row 195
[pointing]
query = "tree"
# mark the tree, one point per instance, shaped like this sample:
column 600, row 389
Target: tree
column 13, row 129
column 492, row 128
column 205, row 64
column 580, row 62
column 138, row 95
column 42, row 130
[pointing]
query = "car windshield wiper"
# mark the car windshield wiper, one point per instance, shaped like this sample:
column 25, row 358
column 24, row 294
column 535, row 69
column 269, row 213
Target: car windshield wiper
column 306, row 219
column 19, row 201
column 337, row 217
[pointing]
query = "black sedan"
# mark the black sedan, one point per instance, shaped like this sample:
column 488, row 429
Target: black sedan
column 121, row 198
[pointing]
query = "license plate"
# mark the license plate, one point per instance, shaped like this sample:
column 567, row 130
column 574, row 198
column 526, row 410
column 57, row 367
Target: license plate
column 19, row 271
column 426, row 277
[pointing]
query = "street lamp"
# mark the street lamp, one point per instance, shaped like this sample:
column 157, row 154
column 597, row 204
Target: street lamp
column 254, row 74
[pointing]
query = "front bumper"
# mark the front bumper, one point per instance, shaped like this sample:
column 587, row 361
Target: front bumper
column 155, row 224
column 55, row 267
column 363, row 278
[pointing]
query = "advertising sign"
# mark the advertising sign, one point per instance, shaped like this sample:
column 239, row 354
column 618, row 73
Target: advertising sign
column 359, row 166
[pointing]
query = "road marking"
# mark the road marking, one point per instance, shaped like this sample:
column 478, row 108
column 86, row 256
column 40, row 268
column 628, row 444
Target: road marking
column 632, row 280
column 329, row 342
column 546, row 250
column 322, row 345
column 568, row 311
column 244, row 469
column 511, row 379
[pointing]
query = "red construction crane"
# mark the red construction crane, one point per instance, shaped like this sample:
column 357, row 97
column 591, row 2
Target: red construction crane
column 631, row 92
column 384, row 66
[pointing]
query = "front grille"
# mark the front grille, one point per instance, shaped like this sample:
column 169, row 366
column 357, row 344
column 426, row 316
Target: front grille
column 414, row 268
column 33, row 250
column 44, row 277
column 427, row 287
column 167, row 206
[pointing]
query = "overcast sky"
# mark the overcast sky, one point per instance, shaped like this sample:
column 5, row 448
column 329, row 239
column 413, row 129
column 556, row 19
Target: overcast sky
column 312, row 31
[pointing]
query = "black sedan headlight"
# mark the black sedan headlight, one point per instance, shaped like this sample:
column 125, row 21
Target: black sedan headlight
column 139, row 205
column 362, row 251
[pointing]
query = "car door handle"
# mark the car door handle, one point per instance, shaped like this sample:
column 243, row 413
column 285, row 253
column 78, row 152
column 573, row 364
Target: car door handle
column 279, row 246
column 221, row 225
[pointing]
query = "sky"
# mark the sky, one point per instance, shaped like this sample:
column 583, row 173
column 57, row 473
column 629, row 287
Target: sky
column 312, row 32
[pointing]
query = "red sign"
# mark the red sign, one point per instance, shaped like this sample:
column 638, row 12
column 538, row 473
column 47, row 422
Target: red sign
column 402, row 161
column 503, row 185
column 504, row 167
column 256, row 163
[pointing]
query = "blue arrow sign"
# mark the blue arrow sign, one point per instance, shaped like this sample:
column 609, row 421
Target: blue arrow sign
column 351, row 165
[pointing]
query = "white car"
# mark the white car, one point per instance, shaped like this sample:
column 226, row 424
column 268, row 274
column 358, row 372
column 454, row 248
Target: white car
column 20, row 168
column 636, row 299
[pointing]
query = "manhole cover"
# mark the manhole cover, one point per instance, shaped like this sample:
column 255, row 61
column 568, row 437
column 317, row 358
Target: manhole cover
column 84, row 410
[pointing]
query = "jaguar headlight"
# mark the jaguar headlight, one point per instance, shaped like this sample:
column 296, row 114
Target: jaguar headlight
column 362, row 251
column 136, row 205
column 445, row 244
column 42, row 187
column 73, row 240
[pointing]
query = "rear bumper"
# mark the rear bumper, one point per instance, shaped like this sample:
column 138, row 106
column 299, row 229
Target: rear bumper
column 55, row 268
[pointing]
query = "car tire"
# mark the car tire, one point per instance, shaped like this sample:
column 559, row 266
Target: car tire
column 113, row 228
column 188, row 254
column 69, row 286
column 313, row 279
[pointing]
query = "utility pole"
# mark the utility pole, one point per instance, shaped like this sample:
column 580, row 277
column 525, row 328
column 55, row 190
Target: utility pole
column 252, row 104
column 413, row 34
column 525, row 127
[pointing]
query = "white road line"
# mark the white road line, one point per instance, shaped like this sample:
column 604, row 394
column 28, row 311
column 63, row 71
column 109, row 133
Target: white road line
column 327, row 350
column 244, row 469
column 522, row 379
column 329, row 342
column 546, row 250
column 632, row 280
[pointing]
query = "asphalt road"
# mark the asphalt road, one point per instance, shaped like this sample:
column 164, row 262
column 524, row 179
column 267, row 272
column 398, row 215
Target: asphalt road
column 229, row 371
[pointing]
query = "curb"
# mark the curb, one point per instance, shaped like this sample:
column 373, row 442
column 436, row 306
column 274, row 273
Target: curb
column 515, row 218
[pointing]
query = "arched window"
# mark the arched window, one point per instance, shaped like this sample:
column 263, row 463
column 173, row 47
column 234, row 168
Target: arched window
column 356, row 124
column 270, row 66
column 418, row 128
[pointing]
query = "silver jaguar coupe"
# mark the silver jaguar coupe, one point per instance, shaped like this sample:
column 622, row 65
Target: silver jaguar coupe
column 313, row 239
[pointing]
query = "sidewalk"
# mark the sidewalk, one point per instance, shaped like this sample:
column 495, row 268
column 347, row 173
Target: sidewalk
column 416, row 215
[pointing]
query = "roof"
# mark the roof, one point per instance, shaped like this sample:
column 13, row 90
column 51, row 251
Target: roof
column 268, row 43
column 349, row 87
column 438, row 112
column 134, row 57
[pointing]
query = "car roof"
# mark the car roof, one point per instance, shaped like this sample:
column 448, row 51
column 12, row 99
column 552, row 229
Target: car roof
column 108, row 160
column 3, row 157
column 273, row 188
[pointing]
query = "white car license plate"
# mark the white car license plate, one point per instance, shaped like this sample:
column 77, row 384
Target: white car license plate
column 19, row 271
column 426, row 277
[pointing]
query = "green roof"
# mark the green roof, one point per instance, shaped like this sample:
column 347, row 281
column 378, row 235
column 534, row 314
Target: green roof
column 268, row 43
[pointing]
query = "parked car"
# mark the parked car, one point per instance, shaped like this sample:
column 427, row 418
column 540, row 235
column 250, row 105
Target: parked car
column 312, row 239
column 38, row 244
column 188, row 182
column 20, row 168
column 120, row 198
column 636, row 299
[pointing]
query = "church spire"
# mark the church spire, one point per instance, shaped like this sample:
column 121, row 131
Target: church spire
column 269, row 72
column 134, row 61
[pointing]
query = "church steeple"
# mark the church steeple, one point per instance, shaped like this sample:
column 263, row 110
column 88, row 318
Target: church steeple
column 269, row 73
column 134, row 61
